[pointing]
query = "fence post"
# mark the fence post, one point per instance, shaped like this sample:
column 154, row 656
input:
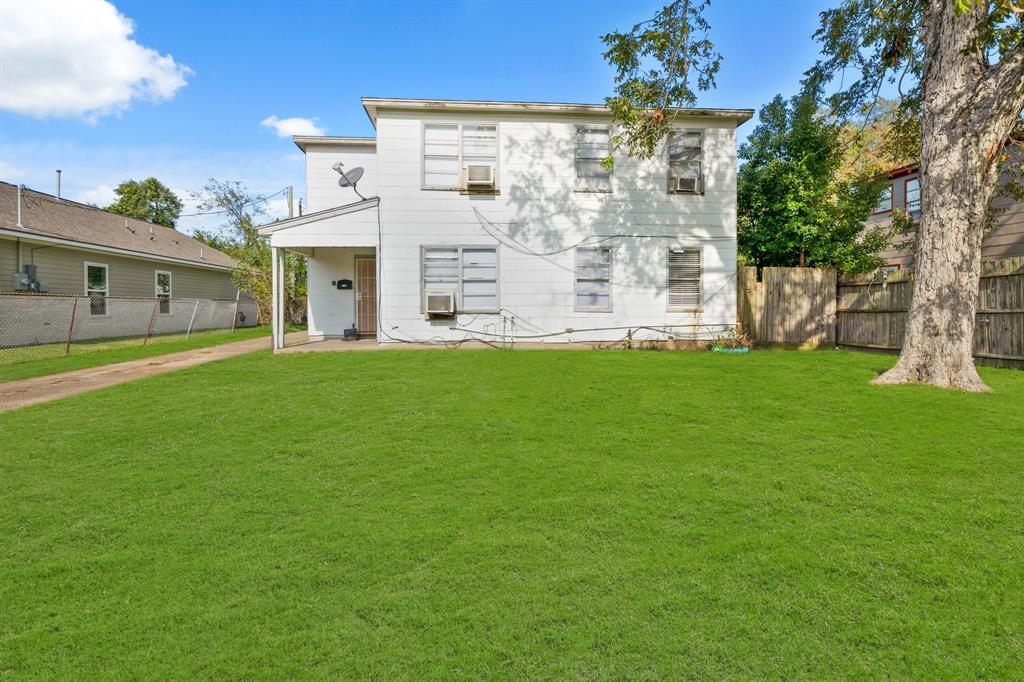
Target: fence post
column 71, row 326
column 152, row 319
column 189, row 332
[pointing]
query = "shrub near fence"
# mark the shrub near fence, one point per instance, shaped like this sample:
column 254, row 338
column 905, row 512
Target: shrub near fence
column 34, row 326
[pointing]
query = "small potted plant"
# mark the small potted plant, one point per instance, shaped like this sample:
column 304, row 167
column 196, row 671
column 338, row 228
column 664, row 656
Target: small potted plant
column 732, row 341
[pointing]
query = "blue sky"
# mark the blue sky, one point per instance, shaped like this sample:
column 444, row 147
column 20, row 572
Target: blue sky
column 237, row 63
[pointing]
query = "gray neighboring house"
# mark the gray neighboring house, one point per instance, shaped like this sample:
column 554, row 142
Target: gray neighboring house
column 1004, row 240
column 51, row 246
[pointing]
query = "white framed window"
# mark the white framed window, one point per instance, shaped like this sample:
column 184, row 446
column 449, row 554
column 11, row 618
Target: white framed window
column 163, row 290
column 885, row 201
column 450, row 148
column 684, row 280
column 471, row 272
column 593, row 145
column 593, row 280
column 913, row 196
column 685, row 150
column 97, row 286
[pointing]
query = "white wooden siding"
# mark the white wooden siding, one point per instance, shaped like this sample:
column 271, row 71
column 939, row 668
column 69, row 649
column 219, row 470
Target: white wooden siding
column 537, row 205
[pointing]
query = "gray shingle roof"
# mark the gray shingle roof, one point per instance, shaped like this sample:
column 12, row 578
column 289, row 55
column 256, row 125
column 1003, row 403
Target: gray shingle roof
column 47, row 216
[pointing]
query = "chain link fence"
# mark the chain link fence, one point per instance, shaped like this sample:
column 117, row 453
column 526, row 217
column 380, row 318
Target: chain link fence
column 37, row 326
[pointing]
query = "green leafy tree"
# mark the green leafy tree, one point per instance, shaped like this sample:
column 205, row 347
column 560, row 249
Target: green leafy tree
column 794, row 208
column 243, row 212
column 147, row 200
column 958, row 66
column 867, row 146
column 658, row 63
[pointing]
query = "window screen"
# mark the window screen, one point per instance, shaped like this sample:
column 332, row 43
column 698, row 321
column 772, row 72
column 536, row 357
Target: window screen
column 441, row 156
column 914, row 197
column 163, row 291
column 685, row 161
column 885, row 201
column 593, row 279
column 470, row 271
column 479, row 147
column 593, row 145
column 684, row 274
column 96, row 288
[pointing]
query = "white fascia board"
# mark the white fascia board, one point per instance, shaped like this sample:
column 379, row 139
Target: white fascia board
column 292, row 240
column 270, row 229
column 302, row 141
column 99, row 248
column 373, row 104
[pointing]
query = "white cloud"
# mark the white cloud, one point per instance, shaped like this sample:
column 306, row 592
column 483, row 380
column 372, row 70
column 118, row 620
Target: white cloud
column 101, row 196
column 286, row 127
column 78, row 59
column 10, row 172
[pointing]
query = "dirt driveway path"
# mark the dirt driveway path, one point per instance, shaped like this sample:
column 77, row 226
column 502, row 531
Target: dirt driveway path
column 24, row 392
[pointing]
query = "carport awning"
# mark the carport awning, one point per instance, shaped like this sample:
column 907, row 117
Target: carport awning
column 354, row 224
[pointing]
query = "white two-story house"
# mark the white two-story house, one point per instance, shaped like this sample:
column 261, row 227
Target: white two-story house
column 497, row 220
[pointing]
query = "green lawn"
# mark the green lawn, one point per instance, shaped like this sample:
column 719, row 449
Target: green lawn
column 468, row 514
column 34, row 361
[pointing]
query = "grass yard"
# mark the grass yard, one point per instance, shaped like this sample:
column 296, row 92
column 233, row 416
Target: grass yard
column 35, row 361
column 468, row 514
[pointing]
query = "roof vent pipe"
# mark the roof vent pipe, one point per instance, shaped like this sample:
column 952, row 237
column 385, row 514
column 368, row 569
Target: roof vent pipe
column 58, row 184
column 21, row 199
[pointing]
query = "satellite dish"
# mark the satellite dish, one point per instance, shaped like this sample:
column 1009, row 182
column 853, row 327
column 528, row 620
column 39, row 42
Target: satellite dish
column 349, row 178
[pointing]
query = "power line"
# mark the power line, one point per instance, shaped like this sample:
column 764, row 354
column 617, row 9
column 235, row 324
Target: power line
column 246, row 205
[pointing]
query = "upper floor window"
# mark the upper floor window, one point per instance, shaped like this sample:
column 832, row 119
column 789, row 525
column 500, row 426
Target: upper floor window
column 460, row 156
column 913, row 189
column 163, row 291
column 685, row 162
column 97, row 287
column 593, row 145
column 885, row 201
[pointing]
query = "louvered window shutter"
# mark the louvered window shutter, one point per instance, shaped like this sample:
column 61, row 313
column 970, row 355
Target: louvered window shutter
column 684, row 268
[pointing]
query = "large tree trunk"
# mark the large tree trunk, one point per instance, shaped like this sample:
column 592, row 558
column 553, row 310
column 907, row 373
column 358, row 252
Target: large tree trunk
column 969, row 109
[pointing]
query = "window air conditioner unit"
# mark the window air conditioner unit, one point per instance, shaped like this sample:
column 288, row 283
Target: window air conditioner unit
column 479, row 177
column 686, row 185
column 440, row 303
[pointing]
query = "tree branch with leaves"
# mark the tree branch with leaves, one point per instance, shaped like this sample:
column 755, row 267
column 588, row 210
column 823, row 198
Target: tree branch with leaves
column 148, row 200
column 658, row 63
column 250, row 251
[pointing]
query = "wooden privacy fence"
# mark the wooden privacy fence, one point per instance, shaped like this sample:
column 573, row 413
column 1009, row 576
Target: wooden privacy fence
column 812, row 307
column 791, row 306
column 872, row 312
